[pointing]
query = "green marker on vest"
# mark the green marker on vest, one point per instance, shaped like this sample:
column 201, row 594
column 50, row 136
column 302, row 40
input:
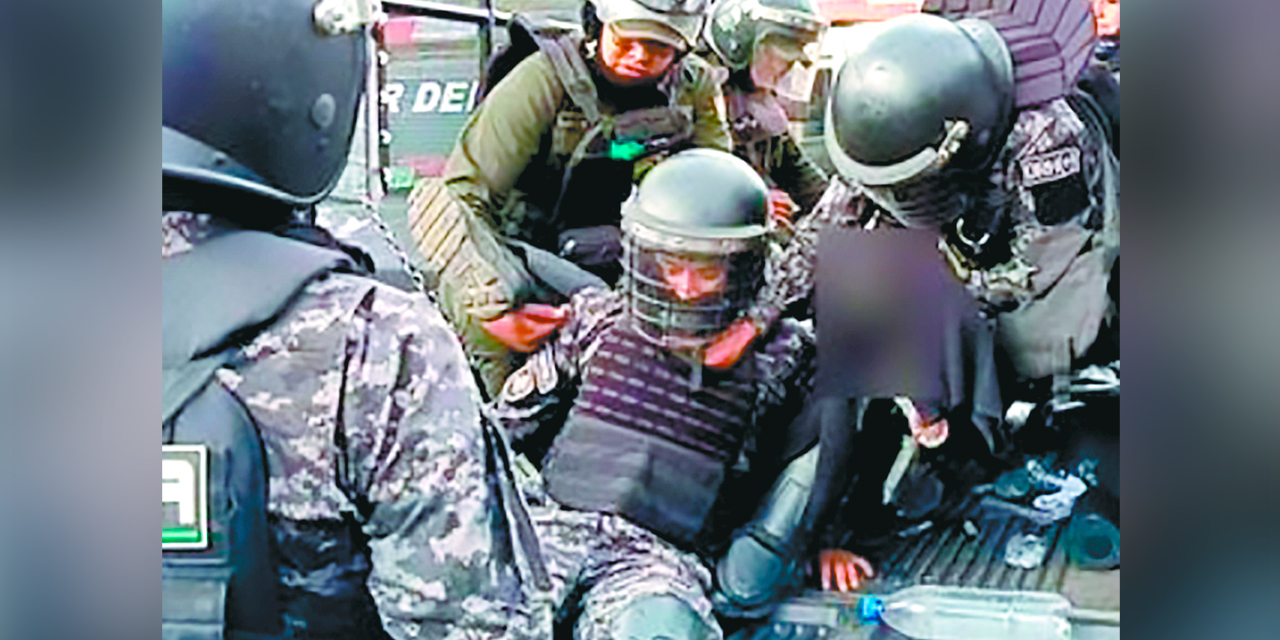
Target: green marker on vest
column 625, row 150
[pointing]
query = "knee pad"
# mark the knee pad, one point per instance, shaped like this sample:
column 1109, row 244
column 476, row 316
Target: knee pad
column 661, row 617
column 761, row 563
column 749, row 577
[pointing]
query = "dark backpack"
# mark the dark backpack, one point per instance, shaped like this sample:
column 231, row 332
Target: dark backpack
column 526, row 37
column 218, row 569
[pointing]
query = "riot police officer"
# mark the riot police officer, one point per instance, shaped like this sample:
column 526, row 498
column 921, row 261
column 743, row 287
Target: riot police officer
column 635, row 436
column 325, row 458
column 943, row 127
column 1015, row 173
column 532, row 190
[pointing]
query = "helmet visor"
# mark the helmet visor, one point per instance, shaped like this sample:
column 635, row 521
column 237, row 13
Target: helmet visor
column 786, row 66
column 680, row 299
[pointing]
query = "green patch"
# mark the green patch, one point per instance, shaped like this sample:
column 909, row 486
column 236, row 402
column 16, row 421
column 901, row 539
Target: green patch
column 625, row 150
column 400, row 178
column 181, row 535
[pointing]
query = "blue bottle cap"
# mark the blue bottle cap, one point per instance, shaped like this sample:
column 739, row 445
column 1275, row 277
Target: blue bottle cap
column 869, row 609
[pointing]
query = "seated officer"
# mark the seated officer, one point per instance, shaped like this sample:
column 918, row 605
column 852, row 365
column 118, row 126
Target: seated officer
column 635, row 437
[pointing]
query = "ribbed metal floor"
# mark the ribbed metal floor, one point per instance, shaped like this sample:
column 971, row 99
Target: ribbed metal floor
column 947, row 555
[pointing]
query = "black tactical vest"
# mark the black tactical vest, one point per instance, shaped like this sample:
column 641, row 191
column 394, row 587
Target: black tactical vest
column 644, row 441
column 227, row 572
column 577, row 189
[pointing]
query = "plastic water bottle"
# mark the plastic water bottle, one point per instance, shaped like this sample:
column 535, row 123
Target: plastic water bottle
column 930, row 612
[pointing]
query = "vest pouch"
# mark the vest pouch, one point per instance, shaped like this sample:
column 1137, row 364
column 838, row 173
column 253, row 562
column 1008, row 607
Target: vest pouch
column 658, row 128
column 657, row 483
column 567, row 134
column 193, row 602
column 592, row 246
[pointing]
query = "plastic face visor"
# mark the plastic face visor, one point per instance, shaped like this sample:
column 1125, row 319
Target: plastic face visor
column 796, row 83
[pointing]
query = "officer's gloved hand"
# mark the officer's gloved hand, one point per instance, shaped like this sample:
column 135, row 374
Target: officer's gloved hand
column 781, row 207
column 842, row 570
column 526, row 328
column 727, row 348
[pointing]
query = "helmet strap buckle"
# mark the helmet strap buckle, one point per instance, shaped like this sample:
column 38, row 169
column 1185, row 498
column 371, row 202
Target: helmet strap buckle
column 338, row 17
column 957, row 130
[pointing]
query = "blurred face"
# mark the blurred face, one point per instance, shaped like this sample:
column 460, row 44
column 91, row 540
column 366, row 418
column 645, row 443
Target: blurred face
column 630, row 61
column 692, row 278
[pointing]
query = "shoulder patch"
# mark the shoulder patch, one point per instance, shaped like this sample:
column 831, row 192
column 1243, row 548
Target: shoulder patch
column 1049, row 167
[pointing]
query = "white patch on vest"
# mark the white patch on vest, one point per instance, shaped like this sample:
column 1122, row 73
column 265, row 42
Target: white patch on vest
column 544, row 372
column 1049, row 167
column 519, row 384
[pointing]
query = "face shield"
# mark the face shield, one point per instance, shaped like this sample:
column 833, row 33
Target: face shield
column 786, row 66
column 683, row 291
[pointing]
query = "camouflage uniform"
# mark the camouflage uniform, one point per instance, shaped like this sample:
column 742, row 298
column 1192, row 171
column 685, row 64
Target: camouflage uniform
column 607, row 558
column 368, row 414
column 1057, row 184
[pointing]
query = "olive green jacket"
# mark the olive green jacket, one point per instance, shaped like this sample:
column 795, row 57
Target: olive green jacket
column 528, row 127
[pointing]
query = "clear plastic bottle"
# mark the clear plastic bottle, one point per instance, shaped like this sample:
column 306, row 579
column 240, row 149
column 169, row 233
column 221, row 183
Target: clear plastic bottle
column 930, row 612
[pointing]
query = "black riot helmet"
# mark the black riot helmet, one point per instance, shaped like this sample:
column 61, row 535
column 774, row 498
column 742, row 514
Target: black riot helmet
column 260, row 99
column 925, row 99
column 701, row 207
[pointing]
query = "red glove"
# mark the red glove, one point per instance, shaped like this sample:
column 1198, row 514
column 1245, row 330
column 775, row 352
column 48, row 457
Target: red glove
column 525, row 328
column 849, row 569
column 727, row 347
column 781, row 206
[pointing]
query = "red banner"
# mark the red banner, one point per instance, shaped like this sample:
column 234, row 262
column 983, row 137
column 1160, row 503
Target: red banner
column 844, row 11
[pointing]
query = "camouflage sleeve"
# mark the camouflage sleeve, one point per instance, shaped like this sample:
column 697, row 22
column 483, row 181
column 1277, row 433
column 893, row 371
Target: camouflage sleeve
column 409, row 424
column 789, row 273
column 787, row 362
column 536, row 397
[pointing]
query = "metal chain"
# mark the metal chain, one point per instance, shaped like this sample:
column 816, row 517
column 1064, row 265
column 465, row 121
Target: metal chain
column 415, row 273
